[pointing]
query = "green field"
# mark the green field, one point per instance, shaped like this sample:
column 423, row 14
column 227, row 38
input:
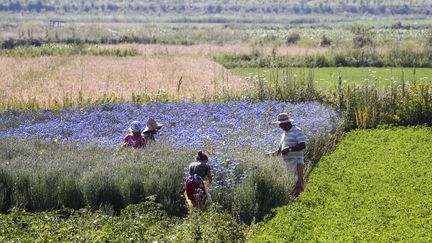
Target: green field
column 327, row 78
column 374, row 188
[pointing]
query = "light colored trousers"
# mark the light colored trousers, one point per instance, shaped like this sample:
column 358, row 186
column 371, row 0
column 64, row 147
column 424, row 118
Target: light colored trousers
column 292, row 167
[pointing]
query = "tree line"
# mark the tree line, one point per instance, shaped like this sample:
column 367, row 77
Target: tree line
column 375, row 7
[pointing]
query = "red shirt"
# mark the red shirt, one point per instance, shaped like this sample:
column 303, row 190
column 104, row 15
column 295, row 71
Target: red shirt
column 136, row 141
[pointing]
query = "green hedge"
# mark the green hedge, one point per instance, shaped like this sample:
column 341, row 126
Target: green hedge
column 373, row 188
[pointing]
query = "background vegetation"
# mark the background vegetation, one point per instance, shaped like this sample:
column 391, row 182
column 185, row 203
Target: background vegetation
column 221, row 6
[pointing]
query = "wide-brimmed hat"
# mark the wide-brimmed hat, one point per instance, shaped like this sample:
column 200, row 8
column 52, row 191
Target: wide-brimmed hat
column 135, row 126
column 283, row 118
column 152, row 125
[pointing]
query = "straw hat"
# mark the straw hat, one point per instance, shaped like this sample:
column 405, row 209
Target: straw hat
column 152, row 125
column 135, row 126
column 283, row 118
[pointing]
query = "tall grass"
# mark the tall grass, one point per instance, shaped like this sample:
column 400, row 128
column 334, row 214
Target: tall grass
column 363, row 57
column 365, row 105
column 401, row 104
column 42, row 175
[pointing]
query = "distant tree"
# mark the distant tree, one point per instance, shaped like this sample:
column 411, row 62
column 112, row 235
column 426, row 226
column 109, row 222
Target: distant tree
column 218, row 9
column 325, row 41
column 397, row 25
column 362, row 37
column 429, row 39
column 293, row 38
column 163, row 8
column 16, row 7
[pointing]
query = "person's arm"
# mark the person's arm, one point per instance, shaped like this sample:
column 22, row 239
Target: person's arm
column 144, row 141
column 126, row 141
column 274, row 153
column 209, row 178
column 209, row 175
column 298, row 147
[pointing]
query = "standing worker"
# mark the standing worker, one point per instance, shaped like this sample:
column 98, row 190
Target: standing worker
column 291, row 147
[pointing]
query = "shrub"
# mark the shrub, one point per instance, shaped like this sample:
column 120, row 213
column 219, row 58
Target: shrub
column 325, row 41
column 144, row 222
column 70, row 194
column 292, row 38
column 101, row 191
column 362, row 37
column 6, row 189
column 212, row 225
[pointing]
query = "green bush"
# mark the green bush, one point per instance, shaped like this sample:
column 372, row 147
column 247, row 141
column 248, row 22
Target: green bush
column 145, row 222
column 293, row 38
column 6, row 188
column 266, row 187
column 70, row 194
column 325, row 41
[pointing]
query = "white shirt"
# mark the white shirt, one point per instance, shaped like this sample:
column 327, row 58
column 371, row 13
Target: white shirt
column 290, row 139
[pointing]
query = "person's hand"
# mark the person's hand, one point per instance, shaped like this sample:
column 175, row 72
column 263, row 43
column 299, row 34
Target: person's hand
column 286, row 150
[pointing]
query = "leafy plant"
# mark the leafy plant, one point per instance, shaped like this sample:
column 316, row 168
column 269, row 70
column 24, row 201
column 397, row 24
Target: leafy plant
column 372, row 188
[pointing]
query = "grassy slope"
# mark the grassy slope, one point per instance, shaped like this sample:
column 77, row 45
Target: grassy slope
column 374, row 187
column 327, row 78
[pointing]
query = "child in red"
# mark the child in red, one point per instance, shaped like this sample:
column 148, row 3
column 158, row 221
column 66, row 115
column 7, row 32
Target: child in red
column 135, row 139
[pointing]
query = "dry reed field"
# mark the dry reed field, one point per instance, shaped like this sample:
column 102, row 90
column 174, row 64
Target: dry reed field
column 44, row 78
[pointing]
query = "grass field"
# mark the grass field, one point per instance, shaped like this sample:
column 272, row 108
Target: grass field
column 327, row 78
column 45, row 78
column 179, row 72
column 373, row 188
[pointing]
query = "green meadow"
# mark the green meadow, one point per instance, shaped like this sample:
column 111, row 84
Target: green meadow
column 327, row 78
column 374, row 188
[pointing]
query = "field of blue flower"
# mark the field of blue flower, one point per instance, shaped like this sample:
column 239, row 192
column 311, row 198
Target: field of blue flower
column 212, row 127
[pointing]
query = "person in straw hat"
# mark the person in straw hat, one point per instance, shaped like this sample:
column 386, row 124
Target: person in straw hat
column 291, row 149
column 135, row 139
column 151, row 129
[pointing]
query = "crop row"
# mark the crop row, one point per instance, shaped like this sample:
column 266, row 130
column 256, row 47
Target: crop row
column 374, row 187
